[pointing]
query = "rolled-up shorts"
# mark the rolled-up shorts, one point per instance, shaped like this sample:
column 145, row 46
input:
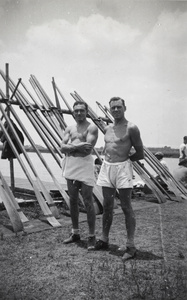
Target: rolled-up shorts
column 116, row 175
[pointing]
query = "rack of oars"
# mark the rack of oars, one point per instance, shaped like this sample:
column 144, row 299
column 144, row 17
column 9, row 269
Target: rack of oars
column 48, row 120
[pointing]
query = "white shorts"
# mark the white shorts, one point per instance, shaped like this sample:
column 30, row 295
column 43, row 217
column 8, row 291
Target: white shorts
column 116, row 175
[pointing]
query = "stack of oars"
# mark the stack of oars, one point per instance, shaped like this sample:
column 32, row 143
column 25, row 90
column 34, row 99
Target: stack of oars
column 50, row 211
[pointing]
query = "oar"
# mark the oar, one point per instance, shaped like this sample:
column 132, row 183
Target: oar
column 40, row 94
column 63, row 193
column 50, row 218
column 159, row 195
column 11, row 210
column 23, row 218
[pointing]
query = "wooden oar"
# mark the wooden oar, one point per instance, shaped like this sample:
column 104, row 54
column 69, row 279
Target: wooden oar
column 11, row 210
column 23, row 218
column 49, row 217
column 40, row 94
column 44, row 112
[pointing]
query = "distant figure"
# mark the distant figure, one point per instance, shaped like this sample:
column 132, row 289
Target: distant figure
column 183, row 150
column 180, row 173
column 7, row 152
column 160, row 156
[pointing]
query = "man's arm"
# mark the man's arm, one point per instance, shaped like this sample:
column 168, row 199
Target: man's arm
column 65, row 146
column 136, row 143
column 92, row 135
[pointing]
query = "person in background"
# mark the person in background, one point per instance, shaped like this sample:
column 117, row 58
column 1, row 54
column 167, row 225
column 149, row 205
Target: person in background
column 117, row 173
column 160, row 157
column 78, row 169
column 183, row 150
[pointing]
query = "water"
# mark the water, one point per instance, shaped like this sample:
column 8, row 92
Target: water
column 56, row 170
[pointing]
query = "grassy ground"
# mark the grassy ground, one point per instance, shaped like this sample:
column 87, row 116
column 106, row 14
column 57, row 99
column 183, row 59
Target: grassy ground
column 38, row 266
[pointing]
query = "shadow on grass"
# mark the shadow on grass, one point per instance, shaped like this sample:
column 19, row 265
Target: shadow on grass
column 140, row 255
column 113, row 250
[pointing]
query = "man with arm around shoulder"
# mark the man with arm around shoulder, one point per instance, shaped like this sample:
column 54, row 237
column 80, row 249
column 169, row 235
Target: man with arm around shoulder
column 117, row 173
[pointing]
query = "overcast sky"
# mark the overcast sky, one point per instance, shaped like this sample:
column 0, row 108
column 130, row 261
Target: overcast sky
column 103, row 48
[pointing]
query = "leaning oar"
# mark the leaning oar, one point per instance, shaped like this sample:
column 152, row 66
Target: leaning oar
column 23, row 218
column 11, row 210
column 39, row 91
column 63, row 192
column 44, row 112
column 159, row 195
column 50, row 218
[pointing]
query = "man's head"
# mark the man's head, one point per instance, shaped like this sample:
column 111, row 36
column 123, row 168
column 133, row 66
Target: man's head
column 80, row 110
column 159, row 155
column 185, row 139
column 117, row 107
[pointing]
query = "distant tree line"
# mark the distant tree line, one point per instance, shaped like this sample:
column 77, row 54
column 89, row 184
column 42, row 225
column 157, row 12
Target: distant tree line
column 167, row 151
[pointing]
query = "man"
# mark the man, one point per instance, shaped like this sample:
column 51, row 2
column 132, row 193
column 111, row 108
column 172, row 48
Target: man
column 78, row 169
column 183, row 150
column 160, row 157
column 117, row 173
column 180, row 173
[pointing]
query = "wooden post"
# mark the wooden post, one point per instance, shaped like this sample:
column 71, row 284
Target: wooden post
column 12, row 181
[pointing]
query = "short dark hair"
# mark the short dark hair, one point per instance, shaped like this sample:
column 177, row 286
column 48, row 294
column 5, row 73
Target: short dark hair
column 185, row 137
column 81, row 103
column 116, row 99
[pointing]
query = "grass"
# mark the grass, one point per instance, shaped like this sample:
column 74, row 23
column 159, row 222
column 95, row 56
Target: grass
column 39, row 266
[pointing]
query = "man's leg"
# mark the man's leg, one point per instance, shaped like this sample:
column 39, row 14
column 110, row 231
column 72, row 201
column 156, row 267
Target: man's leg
column 108, row 205
column 130, row 221
column 87, row 193
column 88, row 201
column 73, row 189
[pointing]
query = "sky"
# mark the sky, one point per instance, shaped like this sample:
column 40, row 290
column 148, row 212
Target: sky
column 136, row 50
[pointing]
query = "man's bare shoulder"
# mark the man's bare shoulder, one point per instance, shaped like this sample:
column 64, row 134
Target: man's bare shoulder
column 132, row 126
column 108, row 127
column 92, row 127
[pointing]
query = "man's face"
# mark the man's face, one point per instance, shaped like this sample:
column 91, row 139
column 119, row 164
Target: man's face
column 117, row 109
column 79, row 112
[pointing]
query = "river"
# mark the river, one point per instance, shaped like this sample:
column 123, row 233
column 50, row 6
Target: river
column 43, row 173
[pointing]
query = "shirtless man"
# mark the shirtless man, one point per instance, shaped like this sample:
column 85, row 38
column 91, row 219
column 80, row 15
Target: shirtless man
column 78, row 169
column 117, row 173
